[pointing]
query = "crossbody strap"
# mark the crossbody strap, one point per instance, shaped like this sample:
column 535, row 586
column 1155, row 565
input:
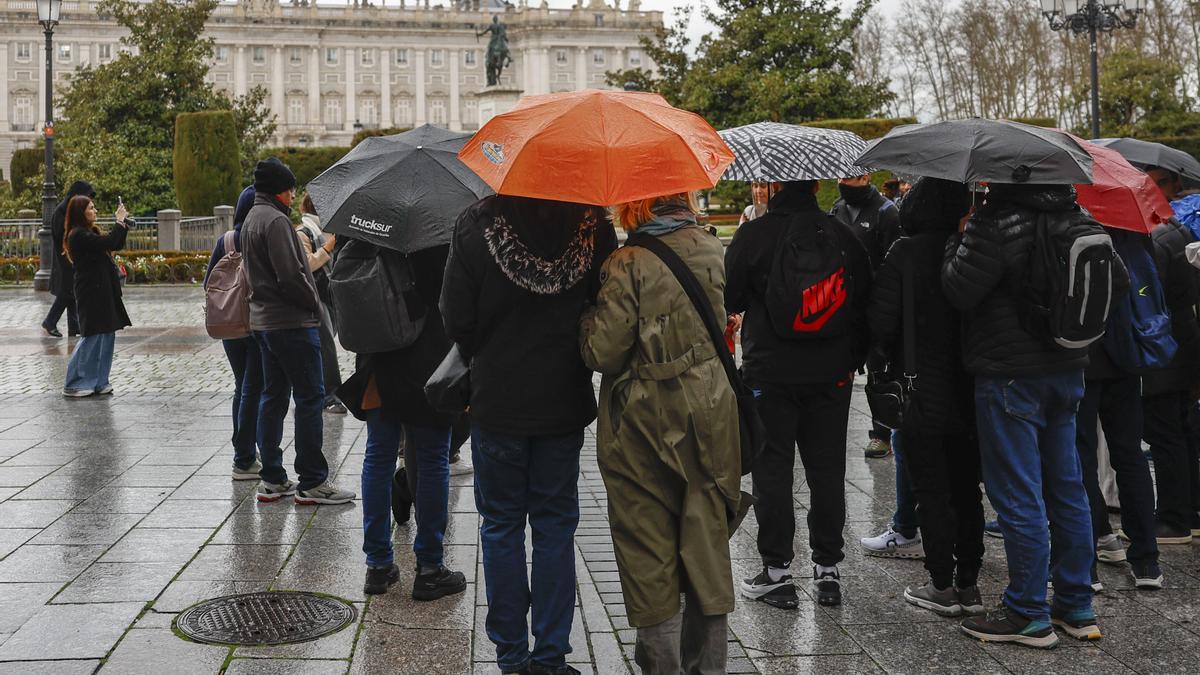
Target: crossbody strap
column 229, row 244
column 691, row 286
column 909, row 321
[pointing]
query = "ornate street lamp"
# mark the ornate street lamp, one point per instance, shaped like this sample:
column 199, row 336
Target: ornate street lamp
column 48, row 13
column 1093, row 17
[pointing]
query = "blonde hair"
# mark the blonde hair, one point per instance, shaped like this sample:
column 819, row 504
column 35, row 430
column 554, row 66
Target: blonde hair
column 632, row 215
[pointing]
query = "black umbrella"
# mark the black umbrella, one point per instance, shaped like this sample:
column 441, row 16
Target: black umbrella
column 403, row 192
column 979, row 150
column 1145, row 154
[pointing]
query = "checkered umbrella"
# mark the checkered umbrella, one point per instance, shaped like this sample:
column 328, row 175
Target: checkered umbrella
column 771, row 151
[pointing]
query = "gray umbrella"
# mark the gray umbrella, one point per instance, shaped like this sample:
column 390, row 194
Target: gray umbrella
column 979, row 150
column 1145, row 154
column 403, row 192
column 772, row 151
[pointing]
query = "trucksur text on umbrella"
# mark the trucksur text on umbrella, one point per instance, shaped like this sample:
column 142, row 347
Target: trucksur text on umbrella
column 369, row 226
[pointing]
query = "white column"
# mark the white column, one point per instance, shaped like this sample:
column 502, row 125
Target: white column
column 581, row 69
column 351, row 112
column 618, row 59
column 534, row 84
column 239, row 72
column 420, row 115
column 85, row 53
column 455, row 114
column 4, row 88
column 545, row 70
column 314, row 86
column 385, row 73
column 277, row 101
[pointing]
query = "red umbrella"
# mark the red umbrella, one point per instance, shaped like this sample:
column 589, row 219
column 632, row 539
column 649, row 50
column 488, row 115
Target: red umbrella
column 1120, row 195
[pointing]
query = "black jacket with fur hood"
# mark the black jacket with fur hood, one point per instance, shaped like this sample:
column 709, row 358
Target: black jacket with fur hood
column 520, row 274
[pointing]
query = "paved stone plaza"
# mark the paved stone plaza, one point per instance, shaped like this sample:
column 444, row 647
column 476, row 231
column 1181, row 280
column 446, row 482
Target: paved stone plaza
column 117, row 513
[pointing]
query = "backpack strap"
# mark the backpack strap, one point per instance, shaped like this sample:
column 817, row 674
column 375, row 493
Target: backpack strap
column 909, row 321
column 228, row 241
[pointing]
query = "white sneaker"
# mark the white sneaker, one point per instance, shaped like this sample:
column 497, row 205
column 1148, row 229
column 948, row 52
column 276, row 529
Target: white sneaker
column 324, row 494
column 892, row 544
column 248, row 473
column 462, row 467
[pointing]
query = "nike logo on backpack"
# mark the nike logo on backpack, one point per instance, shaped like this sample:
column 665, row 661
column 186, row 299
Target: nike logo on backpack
column 1142, row 291
column 821, row 301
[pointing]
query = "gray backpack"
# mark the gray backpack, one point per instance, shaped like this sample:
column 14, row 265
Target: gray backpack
column 375, row 295
column 227, row 296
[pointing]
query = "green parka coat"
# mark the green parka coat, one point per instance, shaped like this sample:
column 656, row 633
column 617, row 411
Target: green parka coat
column 668, row 442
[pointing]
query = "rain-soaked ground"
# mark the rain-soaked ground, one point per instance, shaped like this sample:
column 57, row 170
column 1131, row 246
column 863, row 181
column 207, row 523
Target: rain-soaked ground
column 117, row 513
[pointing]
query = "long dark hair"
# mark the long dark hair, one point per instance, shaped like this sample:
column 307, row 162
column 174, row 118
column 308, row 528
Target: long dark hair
column 76, row 217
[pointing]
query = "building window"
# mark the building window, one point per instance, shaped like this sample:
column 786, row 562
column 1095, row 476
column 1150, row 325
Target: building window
column 599, row 20
column 368, row 57
column 469, row 57
column 220, row 53
column 437, row 57
column 24, row 51
column 560, row 57
column 331, row 56
column 295, row 110
column 296, row 56
column 333, row 111
column 259, row 54
column 437, row 113
column 404, row 116
column 635, row 57
column 368, row 112
column 598, row 57
column 471, row 118
column 402, row 57
column 23, row 112
column 64, row 53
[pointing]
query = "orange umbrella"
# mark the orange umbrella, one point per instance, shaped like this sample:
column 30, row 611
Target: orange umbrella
column 596, row 147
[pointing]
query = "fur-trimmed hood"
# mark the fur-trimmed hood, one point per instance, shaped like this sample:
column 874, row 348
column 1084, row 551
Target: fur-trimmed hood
column 534, row 273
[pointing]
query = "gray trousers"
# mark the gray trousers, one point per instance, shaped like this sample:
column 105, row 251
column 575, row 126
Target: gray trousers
column 688, row 642
column 329, row 359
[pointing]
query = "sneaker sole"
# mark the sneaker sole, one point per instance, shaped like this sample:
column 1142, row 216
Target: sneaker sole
column 1111, row 557
column 1148, row 583
column 764, row 596
column 266, row 498
column 78, row 394
column 877, row 456
column 973, row 610
column 1174, row 540
column 994, row 535
column 1046, row 642
column 895, row 553
column 756, row 592
column 942, row 610
column 1091, row 632
column 426, row 596
column 310, row 501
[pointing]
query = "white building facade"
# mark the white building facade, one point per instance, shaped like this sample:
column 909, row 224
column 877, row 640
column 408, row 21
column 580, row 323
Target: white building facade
column 332, row 70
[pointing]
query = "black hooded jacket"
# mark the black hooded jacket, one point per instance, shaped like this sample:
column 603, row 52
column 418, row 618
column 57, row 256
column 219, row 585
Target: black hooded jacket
column 873, row 218
column 942, row 400
column 985, row 270
column 521, row 272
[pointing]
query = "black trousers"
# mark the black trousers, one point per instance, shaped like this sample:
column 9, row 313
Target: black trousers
column 329, row 362
column 1166, row 430
column 1110, row 402
column 63, row 303
column 944, row 472
column 812, row 417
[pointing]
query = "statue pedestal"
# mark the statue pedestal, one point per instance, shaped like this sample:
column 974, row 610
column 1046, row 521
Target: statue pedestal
column 496, row 101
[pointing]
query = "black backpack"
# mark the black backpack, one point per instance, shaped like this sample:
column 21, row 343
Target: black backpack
column 808, row 285
column 375, row 295
column 1068, row 291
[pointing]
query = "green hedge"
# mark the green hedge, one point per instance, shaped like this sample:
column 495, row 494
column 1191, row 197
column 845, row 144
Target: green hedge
column 306, row 163
column 27, row 168
column 1048, row 122
column 368, row 133
column 207, row 167
column 867, row 128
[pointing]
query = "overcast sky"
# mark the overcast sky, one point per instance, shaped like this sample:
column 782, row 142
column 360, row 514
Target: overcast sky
column 699, row 26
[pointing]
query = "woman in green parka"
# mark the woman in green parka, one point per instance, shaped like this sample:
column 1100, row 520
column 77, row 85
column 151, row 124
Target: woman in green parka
column 668, row 441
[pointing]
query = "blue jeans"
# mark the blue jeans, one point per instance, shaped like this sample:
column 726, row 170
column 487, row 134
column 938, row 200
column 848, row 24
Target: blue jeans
column 904, row 520
column 427, row 451
column 536, row 477
column 91, row 363
column 1032, row 474
column 291, row 360
column 245, row 360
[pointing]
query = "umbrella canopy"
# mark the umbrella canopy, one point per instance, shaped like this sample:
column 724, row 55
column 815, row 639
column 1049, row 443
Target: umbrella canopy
column 979, row 150
column 771, row 151
column 403, row 192
column 1144, row 154
column 596, row 147
column 1121, row 196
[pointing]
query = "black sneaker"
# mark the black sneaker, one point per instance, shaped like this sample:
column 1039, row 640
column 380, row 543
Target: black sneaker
column 1166, row 534
column 438, row 583
column 781, row 594
column 1147, row 575
column 379, row 578
column 829, row 587
column 538, row 669
column 1004, row 625
column 944, row 601
column 1079, row 624
column 970, row 600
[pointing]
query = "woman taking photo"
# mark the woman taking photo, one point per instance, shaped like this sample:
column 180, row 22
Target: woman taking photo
column 97, row 296
column 667, row 438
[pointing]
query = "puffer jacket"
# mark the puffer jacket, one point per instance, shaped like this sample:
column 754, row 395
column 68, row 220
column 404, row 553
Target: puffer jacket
column 985, row 270
column 941, row 402
column 1181, row 285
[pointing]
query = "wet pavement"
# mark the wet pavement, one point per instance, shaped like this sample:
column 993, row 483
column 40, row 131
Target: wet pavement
column 117, row 513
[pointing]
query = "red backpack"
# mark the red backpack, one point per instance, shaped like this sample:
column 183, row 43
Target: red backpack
column 227, row 296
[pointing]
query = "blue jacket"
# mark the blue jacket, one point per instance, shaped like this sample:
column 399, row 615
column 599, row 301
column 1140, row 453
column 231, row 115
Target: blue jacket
column 244, row 203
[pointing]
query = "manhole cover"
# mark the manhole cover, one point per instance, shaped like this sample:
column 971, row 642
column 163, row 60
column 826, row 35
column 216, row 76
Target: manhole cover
column 264, row 618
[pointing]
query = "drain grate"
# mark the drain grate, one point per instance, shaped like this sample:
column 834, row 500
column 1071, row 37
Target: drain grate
column 269, row 618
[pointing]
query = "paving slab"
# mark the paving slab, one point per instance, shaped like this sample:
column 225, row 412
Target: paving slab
column 70, row 632
column 161, row 651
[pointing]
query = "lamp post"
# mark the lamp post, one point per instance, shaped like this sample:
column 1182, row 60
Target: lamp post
column 48, row 13
column 1093, row 17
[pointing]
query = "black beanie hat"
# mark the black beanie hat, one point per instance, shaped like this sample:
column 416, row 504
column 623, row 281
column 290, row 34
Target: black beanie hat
column 81, row 187
column 272, row 177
